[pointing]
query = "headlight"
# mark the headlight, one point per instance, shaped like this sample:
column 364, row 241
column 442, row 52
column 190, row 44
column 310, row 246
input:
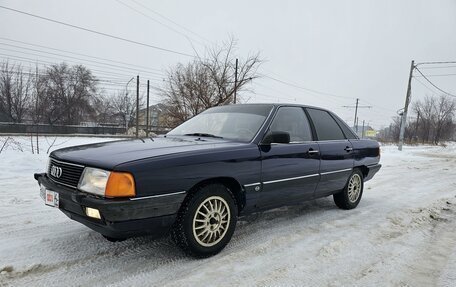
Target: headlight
column 105, row 183
column 94, row 181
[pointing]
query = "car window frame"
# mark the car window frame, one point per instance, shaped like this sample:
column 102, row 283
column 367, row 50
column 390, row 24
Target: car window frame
column 340, row 122
column 268, row 129
column 315, row 130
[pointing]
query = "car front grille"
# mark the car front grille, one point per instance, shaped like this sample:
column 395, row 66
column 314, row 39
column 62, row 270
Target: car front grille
column 64, row 172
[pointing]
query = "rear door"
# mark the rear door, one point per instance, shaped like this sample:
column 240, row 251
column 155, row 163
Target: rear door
column 289, row 170
column 336, row 152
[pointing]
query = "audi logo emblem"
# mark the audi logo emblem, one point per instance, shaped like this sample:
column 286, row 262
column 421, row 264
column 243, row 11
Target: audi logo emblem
column 56, row 171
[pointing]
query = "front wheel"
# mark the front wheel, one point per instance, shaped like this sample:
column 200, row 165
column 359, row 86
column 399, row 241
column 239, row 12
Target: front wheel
column 350, row 196
column 114, row 239
column 206, row 221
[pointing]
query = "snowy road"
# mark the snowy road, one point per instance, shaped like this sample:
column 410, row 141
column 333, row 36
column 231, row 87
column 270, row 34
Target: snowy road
column 403, row 233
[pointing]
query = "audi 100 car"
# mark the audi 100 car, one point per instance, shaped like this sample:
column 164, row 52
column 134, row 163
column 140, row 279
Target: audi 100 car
column 195, row 181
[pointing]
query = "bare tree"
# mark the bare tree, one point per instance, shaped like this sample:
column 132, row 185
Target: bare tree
column 69, row 93
column 206, row 82
column 445, row 108
column 433, row 121
column 6, row 89
column 15, row 91
column 104, row 108
column 21, row 95
column 124, row 107
column 425, row 109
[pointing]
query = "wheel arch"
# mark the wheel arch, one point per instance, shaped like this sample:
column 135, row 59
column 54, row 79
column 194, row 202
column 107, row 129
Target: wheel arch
column 364, row 170
column 231, row 183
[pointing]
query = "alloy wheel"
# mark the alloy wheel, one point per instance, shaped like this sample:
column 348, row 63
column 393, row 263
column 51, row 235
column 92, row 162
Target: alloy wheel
column 211, row 221
column 354, row 187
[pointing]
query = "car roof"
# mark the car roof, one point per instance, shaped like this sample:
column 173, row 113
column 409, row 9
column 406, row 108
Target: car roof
column 284, row 104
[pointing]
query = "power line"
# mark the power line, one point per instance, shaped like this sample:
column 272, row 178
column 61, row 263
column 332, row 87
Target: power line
column 438, row 75
column 377, row 106
column 274, row 97
column 435, row 63
column 47, row 63
column 79, row 54
column 167, row 26
column 97, row 32
column 303, row 88
column 282, row 95
column 159, row 22
column 98, row 79
column 435, row 86
column 439, row 67
column 170, row 20
column 276, row 91
column 424, row 85
column 114, row 67
column 79, row 61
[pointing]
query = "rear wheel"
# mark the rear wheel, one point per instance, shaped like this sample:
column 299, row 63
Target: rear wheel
column 206, row 221
column 350, row 196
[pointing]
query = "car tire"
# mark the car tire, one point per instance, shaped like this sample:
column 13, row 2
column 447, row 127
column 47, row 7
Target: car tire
column 114, row 239
column 206, row 221
column 351, row 195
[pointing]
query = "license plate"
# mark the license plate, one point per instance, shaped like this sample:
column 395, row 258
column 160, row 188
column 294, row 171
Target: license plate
column 50, row 197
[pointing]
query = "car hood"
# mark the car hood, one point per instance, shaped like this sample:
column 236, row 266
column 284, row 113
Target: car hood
column 107, row 155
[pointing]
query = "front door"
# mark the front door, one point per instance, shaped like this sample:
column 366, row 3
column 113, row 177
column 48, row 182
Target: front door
column 290, row 171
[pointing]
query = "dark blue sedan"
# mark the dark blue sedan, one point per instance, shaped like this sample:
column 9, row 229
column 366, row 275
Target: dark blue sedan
column 195, row 181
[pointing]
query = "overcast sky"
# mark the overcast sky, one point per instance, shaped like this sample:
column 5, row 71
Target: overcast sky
column 351, row 49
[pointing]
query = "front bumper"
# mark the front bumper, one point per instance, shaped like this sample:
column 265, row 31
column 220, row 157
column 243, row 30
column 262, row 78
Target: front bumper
column 120, row 218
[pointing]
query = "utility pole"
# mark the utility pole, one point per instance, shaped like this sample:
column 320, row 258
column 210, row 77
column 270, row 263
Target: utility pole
column 362, row 133
column 356, row 115
column 137, row 106
column 407, row 102
column 36, row 110
column 235, row 80
column 147, row 110
column 357, row 106
column 127, row 112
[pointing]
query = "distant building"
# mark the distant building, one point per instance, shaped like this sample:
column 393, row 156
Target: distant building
column 369, row 132
column 157, row 120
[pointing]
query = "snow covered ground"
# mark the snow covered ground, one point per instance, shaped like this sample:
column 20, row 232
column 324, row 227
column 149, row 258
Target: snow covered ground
column 403, row 233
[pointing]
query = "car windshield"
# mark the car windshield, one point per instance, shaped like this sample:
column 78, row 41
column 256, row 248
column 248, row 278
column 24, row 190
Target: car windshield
column 234, row 122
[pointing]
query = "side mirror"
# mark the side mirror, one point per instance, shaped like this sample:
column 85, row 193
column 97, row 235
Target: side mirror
column 276, row 137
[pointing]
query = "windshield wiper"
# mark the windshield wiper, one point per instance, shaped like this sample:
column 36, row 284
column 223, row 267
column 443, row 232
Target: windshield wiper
column 203, row 135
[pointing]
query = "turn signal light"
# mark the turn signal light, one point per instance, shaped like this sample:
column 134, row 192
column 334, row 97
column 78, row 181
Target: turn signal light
column 120, row 184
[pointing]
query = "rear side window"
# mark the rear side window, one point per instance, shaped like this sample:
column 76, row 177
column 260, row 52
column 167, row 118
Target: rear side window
column 294, row 121
column 325, row 126
column 349, row 134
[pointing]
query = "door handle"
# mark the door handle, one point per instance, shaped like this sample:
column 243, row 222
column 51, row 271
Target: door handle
column 348, row 149
column 312, row 151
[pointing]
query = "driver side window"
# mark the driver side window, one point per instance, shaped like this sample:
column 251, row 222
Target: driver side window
column 294, row 121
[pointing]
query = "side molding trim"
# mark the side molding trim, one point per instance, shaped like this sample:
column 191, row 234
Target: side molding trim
column 336, row 171
column 291, row 178
column 160, row 195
